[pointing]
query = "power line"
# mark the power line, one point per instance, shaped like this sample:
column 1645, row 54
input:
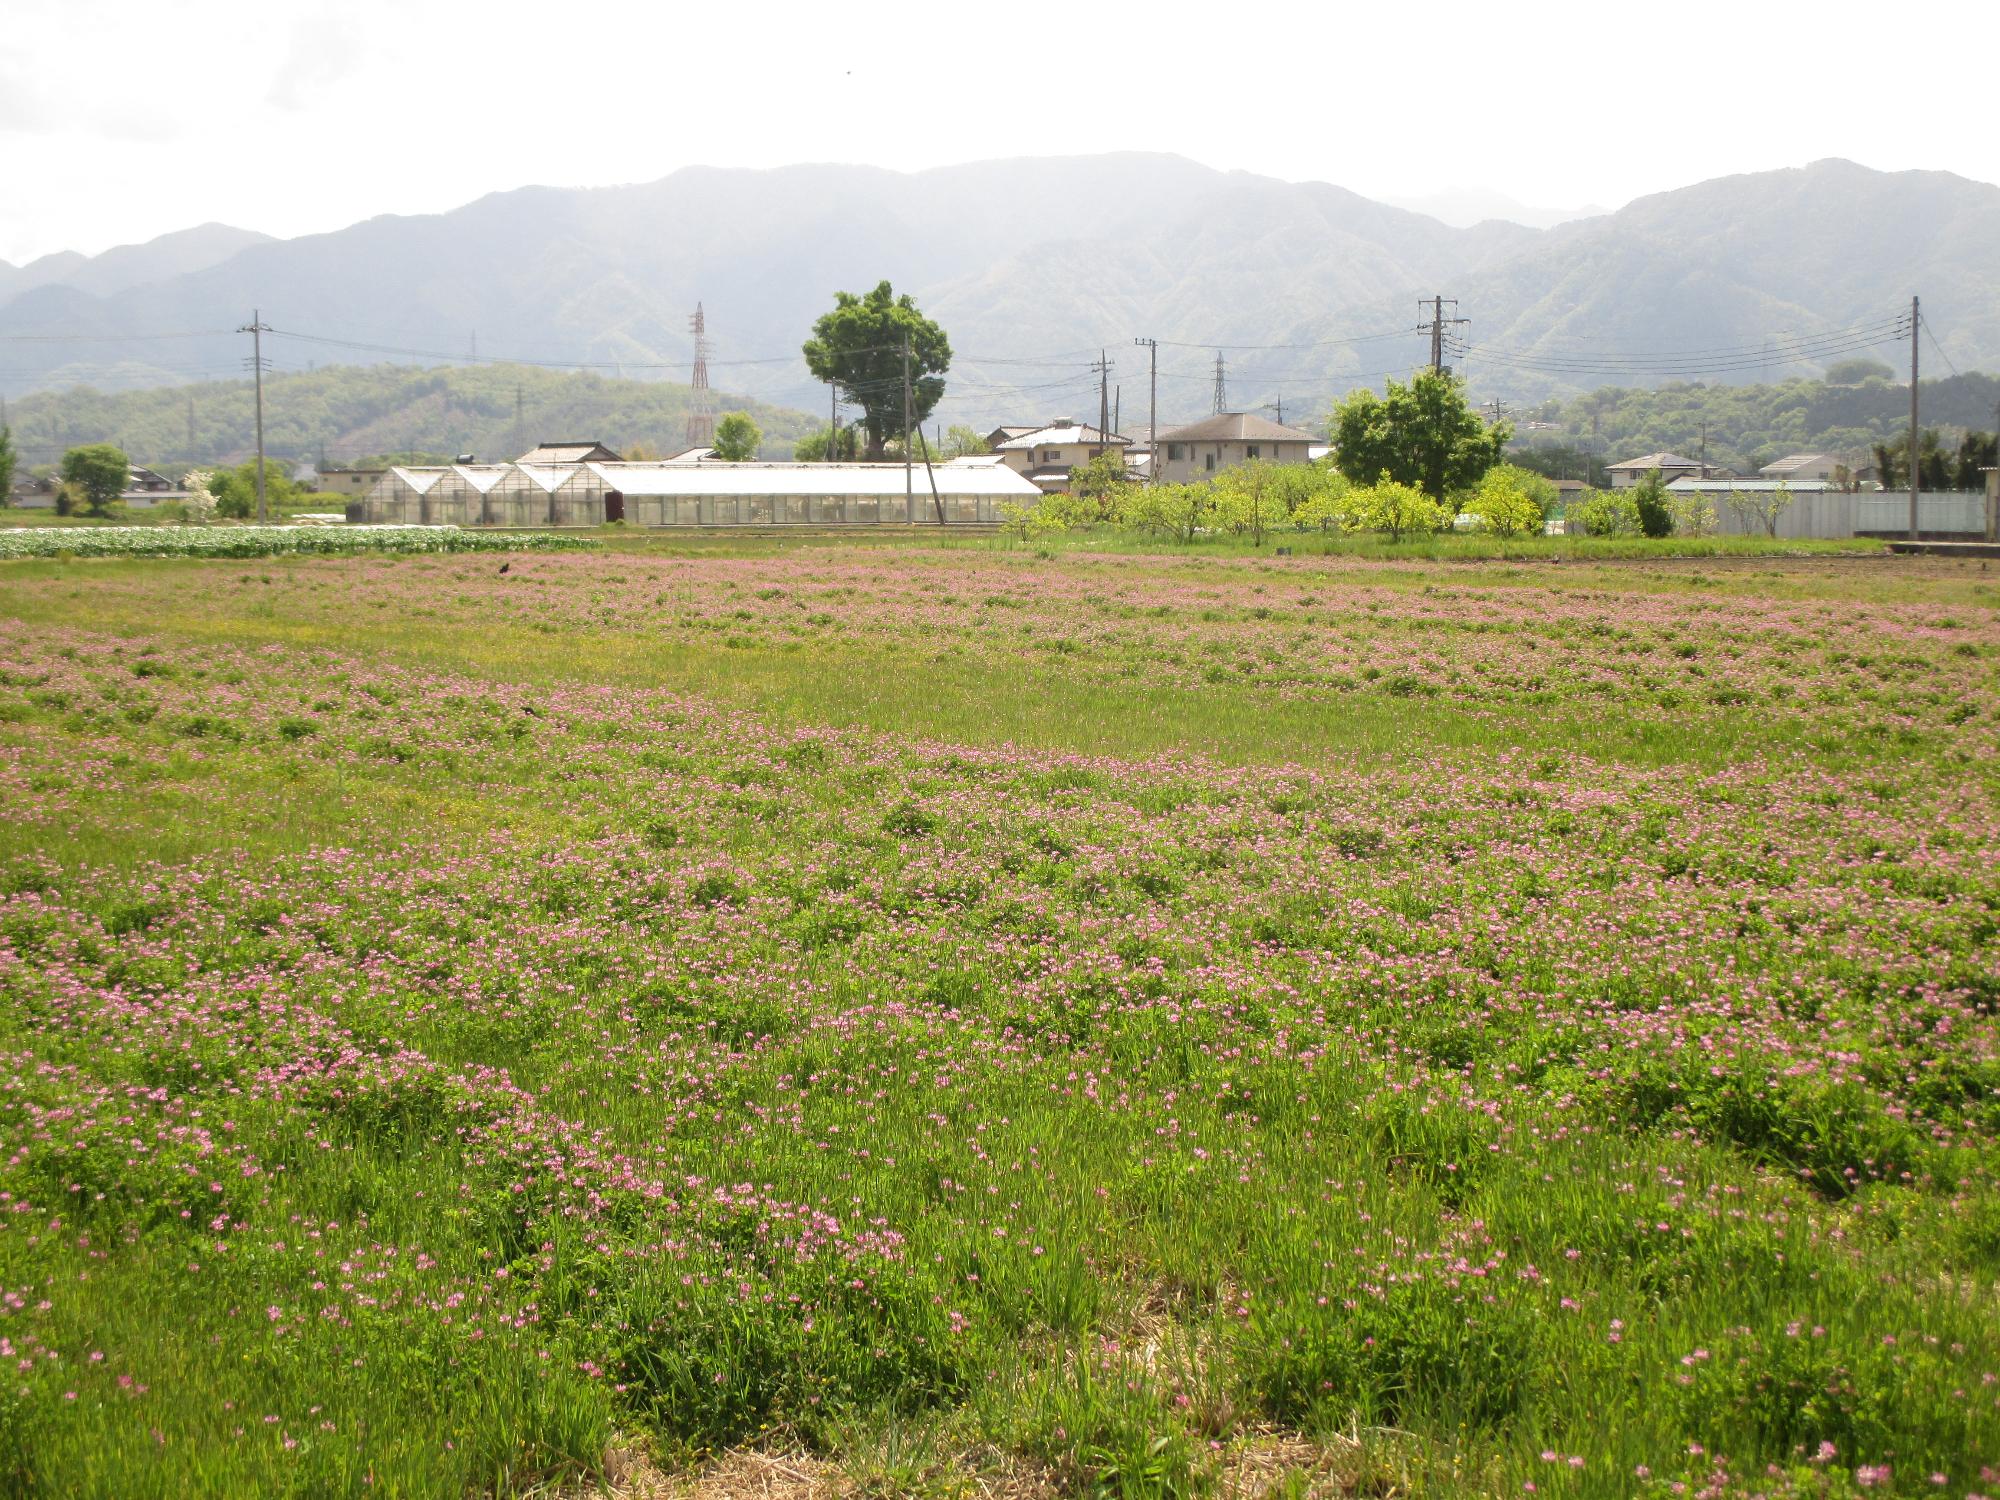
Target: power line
column 1938, row 347
column 1360, row 338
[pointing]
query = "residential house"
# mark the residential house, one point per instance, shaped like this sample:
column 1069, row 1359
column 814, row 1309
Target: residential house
column 1671, row 466
column 1204, row 449
column 140, row 481
column 569, row 451
column 1797, row 466
column 1045, row 455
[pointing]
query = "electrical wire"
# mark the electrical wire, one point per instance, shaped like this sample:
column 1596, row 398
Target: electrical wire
column 1935, row 344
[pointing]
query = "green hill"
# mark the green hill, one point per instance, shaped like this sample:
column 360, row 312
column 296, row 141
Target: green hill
column 1747, row 426
column 343, row 412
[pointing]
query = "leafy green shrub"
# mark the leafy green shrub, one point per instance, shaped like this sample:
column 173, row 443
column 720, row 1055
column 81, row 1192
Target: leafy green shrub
column 908, row 820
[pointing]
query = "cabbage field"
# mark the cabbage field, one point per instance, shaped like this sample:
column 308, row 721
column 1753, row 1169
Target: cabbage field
column 267, row 541
column 818, row 1021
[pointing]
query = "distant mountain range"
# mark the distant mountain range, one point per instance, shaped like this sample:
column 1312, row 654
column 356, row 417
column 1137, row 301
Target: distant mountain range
column 128, row 266
column 1032, row 266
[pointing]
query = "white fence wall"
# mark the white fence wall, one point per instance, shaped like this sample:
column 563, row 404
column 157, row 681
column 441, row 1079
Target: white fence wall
column 1832, row 516
column 1951, row 514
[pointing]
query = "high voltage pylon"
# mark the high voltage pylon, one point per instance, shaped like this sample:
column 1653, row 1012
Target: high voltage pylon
column 701, row 415
column 1221, row 385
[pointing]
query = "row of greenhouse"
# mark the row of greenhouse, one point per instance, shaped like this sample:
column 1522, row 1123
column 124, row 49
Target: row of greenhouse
column 705, row 493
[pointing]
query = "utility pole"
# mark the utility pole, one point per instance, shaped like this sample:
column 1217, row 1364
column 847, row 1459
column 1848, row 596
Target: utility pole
column 1704, row 448
column 908, row 491
column 1436, row 327
column 1281, row 411
column 1117, row 407
column 931, row 474
column 1103, row 368
column 832, row 421
column 1152, row 347
column 1221, row 386
column 1916, row 317
column 257, row 328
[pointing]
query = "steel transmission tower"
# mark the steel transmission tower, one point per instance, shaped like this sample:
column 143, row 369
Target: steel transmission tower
column 1221, row 385
column 701, row 415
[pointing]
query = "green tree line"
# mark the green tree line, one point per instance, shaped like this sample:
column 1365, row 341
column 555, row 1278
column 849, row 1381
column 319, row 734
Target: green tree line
column 347, row 411
column 1748, row 426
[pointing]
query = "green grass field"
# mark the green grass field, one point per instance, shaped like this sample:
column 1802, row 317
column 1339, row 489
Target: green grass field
column 790, row 1016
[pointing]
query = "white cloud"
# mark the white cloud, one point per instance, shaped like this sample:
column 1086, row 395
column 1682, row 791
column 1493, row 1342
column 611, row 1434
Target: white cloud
column 211, row 111
column 326, row 48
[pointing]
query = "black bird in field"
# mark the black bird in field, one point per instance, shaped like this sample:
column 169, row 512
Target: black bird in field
column 505, row 566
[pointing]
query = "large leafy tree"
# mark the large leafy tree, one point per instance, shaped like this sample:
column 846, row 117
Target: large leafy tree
column 737, row 438
column 859, row 347
column 1934, row 462
column 96, row 474
column 235, row 490
column 1977, row 452
column 1421, row 434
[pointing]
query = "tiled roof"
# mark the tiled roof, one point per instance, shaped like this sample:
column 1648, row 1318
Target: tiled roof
column 1237, row 427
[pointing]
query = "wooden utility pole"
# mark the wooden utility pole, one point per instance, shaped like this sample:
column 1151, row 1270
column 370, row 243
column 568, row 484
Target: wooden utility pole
column 908, row 491
column 257, row 330
column 931, row 474
column 832, row 421
column 1152, row 347
column 1103, row 368
column 1916, row 317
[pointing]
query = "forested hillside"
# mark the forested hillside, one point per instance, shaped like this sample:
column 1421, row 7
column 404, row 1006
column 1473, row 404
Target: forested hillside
column 343, row 412
column 1034, row 266
column 1750, row 425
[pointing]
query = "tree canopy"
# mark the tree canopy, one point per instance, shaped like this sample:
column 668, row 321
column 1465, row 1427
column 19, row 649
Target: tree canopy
column 961, row 441
column 859, row 347
column 812, row 447
column 96, row 474
column 235, row 490
column 1421, row 434
column 737, row 438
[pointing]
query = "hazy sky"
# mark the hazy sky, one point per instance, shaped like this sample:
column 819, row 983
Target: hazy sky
column 122, row 119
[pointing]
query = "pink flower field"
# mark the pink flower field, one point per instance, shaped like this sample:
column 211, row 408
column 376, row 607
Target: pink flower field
column 975, row 1022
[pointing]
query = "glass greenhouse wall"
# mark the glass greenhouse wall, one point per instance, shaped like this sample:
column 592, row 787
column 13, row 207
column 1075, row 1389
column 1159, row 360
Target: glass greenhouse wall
column 690, row 495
